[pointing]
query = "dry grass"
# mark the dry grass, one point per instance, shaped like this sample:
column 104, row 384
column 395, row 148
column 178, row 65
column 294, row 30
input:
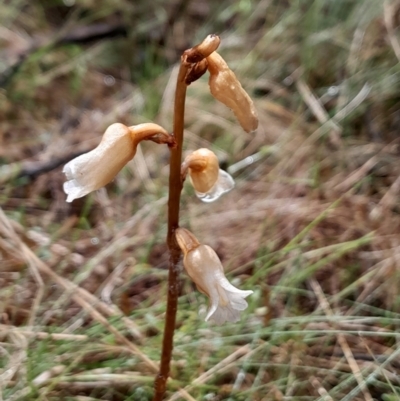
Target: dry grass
column 312, row 226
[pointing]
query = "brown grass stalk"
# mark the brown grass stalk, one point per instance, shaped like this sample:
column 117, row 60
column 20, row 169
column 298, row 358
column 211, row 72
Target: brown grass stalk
column 175, row 188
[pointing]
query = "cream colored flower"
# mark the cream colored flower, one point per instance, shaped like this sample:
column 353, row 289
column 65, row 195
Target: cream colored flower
column 226, row 88
column 205, row 269
column 208, row 180
column 94, row 169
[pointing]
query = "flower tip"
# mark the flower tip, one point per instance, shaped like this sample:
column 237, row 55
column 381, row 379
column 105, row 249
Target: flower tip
column 250, row 123
column 74, row 190
column 202, row 50
column 68, row 171
column 220, row 312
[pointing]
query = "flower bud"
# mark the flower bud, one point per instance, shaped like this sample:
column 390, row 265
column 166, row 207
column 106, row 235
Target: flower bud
column 94, row 169
column 205, row 269
column 196, row 71
column 226, row 88
column 208, row 180
column 202, row 50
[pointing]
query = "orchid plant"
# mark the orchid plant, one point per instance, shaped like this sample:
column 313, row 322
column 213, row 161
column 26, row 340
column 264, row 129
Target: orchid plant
column 95, row 169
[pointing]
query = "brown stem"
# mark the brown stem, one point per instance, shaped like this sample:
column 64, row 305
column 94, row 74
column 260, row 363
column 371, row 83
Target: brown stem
column 175, row 188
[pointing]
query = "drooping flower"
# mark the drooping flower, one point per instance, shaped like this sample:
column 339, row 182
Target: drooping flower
column 209, row 181
column 205, row 269
column 226, row 88
column 94, row 169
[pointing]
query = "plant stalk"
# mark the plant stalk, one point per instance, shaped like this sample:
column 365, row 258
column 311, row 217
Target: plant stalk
column 175, row 188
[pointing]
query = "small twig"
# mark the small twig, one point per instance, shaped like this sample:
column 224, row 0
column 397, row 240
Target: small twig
column 109, row 284
column 47, row 375
column 315, row 105
column 387, row 201
column 15, row 360
column 89, row 33
column 317, row 108
column 32, row 169
column 320, row 388
column 360, row 173
column 42, row 335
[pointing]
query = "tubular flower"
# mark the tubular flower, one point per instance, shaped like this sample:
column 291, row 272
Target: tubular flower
column 94, row 169
column 226, row 88
column 205, row 269
column 208, row 180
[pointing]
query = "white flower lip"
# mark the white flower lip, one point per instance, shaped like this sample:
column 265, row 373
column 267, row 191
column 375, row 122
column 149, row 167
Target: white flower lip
column 73, row 187
column 224, row 184
column 205, row 269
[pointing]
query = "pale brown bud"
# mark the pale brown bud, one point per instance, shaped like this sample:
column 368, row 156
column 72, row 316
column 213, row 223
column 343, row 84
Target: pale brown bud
column 94, row 169
column 208, row 180
column 205, row 269
column 202, row 50
column 226, row 88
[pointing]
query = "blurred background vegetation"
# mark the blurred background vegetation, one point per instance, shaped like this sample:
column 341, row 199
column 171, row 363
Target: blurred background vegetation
column 312, row 227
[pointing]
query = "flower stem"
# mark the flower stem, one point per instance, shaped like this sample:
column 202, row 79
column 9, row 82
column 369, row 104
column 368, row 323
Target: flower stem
column 175, row 188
